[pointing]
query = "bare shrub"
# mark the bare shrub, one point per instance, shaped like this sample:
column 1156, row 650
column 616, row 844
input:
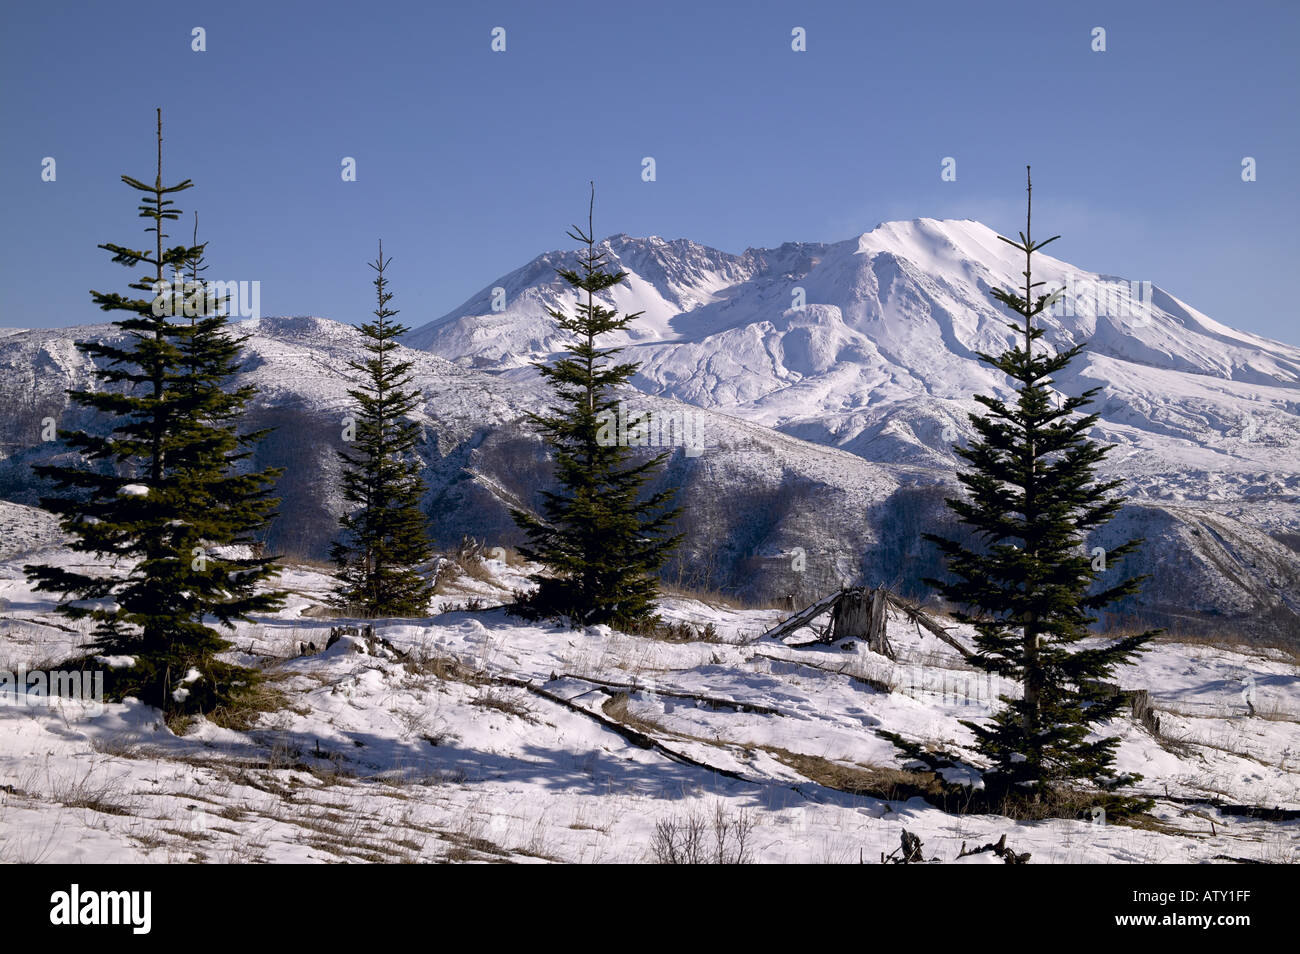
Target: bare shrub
column 471, row 605
column 704, row 838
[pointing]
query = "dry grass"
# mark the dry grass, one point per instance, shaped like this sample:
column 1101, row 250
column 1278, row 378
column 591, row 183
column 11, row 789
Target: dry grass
column 247, row 710
column 118, row 746
column 511, row 702
column 1148, row 822
column 310, row 562
column 719, row 600
column 428, row 661
column 1273, row 712
column 1281, row 850
column 891, row 784
column 42, row 662
column 678, row 632
column 587, row 819
column 467, row 839
column 1228, row 639
column 616, row 707
column 874, row 781
column 469, row 561
column 79, row 791
column 471, row 605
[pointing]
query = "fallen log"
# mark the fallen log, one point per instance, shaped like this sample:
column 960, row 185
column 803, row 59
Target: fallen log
column 1243, row 811
column 876, row 684
column 923, row 619
column 1000, row 849
column 635, row 736
column 801, row 618
column 712, row 701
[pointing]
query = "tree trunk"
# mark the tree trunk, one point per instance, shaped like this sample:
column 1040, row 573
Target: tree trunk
column 861, row 614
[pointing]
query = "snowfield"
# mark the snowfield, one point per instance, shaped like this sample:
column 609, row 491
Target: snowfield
column 475, row 736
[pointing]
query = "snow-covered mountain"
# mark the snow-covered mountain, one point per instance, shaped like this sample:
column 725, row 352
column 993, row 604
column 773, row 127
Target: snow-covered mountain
column 749, row 491
column 823, row 429
column 872, row 344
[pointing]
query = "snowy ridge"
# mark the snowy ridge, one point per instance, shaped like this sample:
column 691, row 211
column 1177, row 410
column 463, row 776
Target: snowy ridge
column 882, row 358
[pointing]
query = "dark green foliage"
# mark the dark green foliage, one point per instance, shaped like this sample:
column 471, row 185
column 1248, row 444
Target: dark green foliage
column 385, row 539
column 932, row 768
column 1032, row 498
column 163, row 491
column 600, row 540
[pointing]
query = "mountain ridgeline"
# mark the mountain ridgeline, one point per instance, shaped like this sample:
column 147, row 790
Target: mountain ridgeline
column 826, row 382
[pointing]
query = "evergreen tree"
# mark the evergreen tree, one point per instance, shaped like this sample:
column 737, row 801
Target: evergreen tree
column 1032, row 498
column 229, row 505
column 384, row 539
column 158, row 491
column 599, row 540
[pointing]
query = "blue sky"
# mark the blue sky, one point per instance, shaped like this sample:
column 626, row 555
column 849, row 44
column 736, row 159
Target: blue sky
column 471, row 162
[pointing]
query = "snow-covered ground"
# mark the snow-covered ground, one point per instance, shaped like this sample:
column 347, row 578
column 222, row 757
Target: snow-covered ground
column 472, row 735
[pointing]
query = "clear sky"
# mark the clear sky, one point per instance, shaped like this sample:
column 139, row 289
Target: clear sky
column 470, row 162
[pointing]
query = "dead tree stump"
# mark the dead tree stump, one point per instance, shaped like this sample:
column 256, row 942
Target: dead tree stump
column 1139, row 703
column 1144, row 712
column 863, row 614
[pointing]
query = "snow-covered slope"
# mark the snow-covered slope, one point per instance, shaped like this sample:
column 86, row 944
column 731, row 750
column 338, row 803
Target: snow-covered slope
column 665, row 279
column 882, row 357
column 472, row 736
column 751, row 494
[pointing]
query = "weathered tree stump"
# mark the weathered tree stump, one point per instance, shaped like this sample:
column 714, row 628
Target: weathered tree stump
column 862, row 614
column 1144, row 712
column 1139, row 703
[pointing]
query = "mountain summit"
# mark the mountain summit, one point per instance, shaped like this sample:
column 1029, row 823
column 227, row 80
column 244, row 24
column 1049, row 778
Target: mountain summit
column 871, row 345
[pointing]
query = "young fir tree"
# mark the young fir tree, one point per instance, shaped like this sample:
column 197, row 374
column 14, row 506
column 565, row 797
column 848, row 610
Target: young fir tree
column 230, row 504
column 598, row 538
column 158, row 491
column 1032, row 499
column 384, row 539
